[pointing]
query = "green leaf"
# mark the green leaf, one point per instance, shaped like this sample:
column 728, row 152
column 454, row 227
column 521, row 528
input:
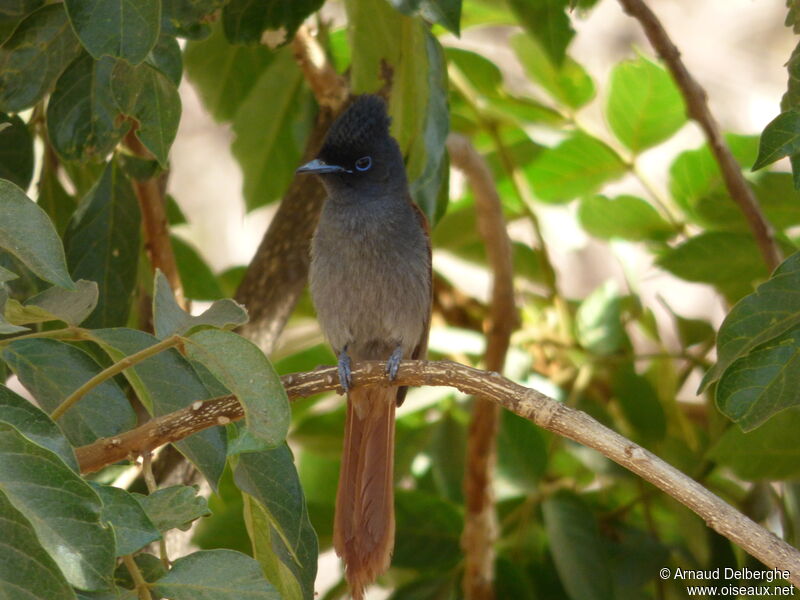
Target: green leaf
column 36, row 425
column 578, row 551
column 123, row 28
column 284, row 543
column 521, row 450
column 53, row 198
column 781, row 137
column 759, row 318
column 150, row 567
column 729, row 261
column 188, row 18
column 445, row 587
column 52, row 370
column 763, row 383
column 165, row 383
column 34, row 57
column 418, row 102
column 215, row 575
column 16, row 151
column 640, row 403
column 199, row 282
column 12, row 12
column 102, row 243
column 83, row 119
column 6, row 327
column 241, row 367
column 428, row 166
column 769, row 453
column 27, row 233
column 446, row 13
column 576, row 167
column 169, row 318
column 55, row 304
column 62, row 508
column 27, row 568
column 445, row 449
column 548, row 22
column 175, row 215
column 428, row 532
column 598, row 321
column 133, row 529
column 644, row 106
column 482, row 73
column 149, row 96
column 271, row 127
column 223, row 73
column 624, row 217
column 568, row 83
column 167, row 57
column 246, row 20
column 173, row 507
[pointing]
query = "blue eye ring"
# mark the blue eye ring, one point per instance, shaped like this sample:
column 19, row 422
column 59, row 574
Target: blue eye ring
column 364, row 163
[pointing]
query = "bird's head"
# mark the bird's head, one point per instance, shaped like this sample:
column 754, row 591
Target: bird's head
column 358, row 151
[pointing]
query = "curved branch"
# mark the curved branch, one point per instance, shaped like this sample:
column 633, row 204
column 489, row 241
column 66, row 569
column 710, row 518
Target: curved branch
column 525, row 402
column 697, row 107
column 480, row 524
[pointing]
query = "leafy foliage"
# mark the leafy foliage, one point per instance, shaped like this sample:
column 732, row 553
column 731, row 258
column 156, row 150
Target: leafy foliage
column 89, row 90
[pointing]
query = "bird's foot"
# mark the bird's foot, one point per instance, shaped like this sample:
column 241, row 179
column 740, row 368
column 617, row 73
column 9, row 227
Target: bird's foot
column 393, row 364
column 345, row 375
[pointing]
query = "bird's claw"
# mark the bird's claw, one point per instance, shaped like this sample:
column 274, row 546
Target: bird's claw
column 393, row 364
column 343, row 366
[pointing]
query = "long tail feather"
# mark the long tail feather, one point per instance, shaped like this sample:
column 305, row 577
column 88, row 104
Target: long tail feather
column 364, row 523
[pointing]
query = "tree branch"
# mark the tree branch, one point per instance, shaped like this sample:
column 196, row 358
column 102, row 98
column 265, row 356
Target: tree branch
column 480, row 525
column 525, row 402
column 150, row 194
column 697, row 107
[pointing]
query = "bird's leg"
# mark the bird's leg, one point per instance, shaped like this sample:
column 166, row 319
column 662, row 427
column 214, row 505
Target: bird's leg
column 345, row 376
column 394, row 362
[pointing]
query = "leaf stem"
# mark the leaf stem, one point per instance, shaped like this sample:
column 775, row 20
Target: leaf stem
column 114, row 369
column 141, row 586
column 152, row 486
column 67, row 333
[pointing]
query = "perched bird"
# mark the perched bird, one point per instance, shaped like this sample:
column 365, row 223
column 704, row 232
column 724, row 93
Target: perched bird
column 370, row 280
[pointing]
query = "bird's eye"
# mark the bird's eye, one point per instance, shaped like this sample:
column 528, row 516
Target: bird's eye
column 363, row 163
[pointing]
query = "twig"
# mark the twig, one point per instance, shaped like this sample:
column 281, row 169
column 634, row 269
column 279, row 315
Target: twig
column 140, row 585
column 152, row 486
column 150, row 194
column 329, row 88
column 525, row 402
column 697, row 108
column 480, row 526
column 109, row 372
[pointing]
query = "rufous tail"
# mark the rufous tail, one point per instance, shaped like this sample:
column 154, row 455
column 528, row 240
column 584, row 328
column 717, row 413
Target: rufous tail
column 364, row 525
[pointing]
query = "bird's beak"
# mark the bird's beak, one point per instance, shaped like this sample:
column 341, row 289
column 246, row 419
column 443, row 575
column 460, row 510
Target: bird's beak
column 318, row 166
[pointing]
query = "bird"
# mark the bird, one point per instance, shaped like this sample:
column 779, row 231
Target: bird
column 370, row 282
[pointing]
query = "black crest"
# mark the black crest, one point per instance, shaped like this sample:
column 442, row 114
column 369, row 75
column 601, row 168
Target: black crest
column 360, row 126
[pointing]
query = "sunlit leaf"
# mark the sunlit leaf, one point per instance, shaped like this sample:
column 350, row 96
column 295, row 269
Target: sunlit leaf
column 644, row 105
column 576, row 167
